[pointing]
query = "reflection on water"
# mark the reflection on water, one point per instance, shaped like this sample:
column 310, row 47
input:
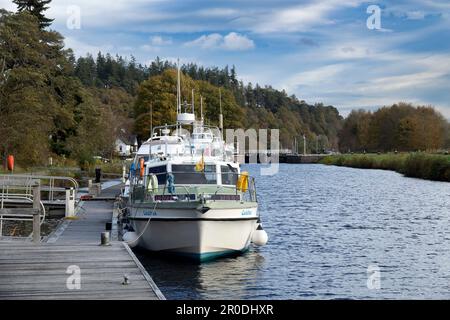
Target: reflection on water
column 327, row 225
column 182, row 279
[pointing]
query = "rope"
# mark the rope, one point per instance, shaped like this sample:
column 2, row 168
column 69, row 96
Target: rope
column 145, row 228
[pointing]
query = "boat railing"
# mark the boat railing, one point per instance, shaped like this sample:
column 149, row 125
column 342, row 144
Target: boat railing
column 167, row 191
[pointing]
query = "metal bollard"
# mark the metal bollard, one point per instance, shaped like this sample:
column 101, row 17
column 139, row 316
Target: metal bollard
column 105, row 239
column 98, row 175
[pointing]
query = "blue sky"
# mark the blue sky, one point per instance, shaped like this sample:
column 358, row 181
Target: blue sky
column 321, row 51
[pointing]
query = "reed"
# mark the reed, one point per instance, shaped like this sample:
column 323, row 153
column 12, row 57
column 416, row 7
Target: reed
column 417, row 165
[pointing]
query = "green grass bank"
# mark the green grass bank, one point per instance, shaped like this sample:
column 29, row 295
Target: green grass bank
column 416, row 165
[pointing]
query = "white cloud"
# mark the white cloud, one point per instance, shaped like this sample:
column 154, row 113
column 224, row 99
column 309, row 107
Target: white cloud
column 81, row 48
column 210, row 41
column 302, row 17
column 160, row 41
column 217, row 12
column 156, row 44
column 149, row 48
column 235, row 41
column 7, row 5
column 415, row 15
column 420, row 78
column 318, row 76
column 232, row 41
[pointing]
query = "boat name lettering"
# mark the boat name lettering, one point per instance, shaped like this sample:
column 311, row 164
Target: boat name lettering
column 150, row 213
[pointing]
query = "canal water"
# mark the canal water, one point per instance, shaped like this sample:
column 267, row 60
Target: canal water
column 335, row 233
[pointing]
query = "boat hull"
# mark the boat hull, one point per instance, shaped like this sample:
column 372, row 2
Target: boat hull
column 198, row 237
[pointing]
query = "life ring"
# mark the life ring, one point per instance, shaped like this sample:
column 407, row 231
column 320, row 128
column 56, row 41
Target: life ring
column 10, row 163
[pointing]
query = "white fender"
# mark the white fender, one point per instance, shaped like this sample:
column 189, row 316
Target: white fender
column 260, row 237
column 130, row 238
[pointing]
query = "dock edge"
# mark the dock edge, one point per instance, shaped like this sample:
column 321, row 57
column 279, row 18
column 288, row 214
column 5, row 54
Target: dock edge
column 147, row 277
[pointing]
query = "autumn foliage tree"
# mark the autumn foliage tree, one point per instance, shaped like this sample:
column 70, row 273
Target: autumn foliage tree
column 156, row 102
column 400, row 127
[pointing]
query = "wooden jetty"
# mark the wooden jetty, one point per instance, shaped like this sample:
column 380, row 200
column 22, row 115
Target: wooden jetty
column 50, row 270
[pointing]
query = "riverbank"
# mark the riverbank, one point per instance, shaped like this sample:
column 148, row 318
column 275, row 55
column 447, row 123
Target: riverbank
column 72, row 170
column 416, row 165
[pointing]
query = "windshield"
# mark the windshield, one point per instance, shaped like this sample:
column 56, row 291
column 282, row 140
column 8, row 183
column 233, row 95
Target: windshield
column 186, row 174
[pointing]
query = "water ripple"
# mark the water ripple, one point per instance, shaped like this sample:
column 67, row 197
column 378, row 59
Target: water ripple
column 326, row 226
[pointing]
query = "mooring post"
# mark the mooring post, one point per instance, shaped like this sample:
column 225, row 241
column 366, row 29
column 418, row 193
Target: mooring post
column 70, row 203
column 36, row 213
column 105, row 239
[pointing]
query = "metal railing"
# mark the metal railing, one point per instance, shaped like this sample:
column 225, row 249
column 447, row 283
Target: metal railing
column 192, row 191
column 53, row 188
column 36, row 214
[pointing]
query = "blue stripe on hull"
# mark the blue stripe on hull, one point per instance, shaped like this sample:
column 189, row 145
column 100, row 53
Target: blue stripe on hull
column 205, row 257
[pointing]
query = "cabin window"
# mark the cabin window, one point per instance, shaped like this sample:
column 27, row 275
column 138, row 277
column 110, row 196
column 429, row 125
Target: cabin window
column 186, row 174
column 229, row 175
column 160, row 172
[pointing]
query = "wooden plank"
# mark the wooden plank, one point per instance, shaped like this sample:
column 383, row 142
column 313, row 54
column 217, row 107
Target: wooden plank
column 32, row 272
column 50, row 272
column 96, row 295
column 58, row 266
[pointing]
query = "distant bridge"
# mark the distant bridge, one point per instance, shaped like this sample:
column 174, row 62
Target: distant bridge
column 289, row 157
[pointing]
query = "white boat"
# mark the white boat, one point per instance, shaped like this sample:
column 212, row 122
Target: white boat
column 187, row 194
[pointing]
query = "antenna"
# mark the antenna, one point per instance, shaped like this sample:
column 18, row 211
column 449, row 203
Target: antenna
column 151, row 119
column 151, row 131
column 221, row 115
column 201, row 109
column 193, row 102
column 178, row 88
column 183, row 115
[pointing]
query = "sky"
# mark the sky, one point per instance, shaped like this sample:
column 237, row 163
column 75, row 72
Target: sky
column 333, row 51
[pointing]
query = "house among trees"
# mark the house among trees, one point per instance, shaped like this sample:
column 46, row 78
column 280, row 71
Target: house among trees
column 126, row 144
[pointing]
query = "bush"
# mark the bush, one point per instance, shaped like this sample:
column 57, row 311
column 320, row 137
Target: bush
column 416, row 165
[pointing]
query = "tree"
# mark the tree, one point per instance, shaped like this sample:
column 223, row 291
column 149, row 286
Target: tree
column 158, row 94
column 36, row 8
column 44, row 109
column 400, row 127
column 26, row 106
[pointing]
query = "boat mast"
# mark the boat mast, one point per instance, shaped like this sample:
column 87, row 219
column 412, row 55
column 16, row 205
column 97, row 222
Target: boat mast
column 220, row 115
column 151, row 120
column 193, row 102
column 201, row 110
column 178, row 94
column 151, row 131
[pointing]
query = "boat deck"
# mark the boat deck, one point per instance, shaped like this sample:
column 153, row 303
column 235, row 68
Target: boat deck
column 29, row 271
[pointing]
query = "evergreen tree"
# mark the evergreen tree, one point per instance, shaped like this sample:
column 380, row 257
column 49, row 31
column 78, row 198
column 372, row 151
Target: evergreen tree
column 36, row 8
